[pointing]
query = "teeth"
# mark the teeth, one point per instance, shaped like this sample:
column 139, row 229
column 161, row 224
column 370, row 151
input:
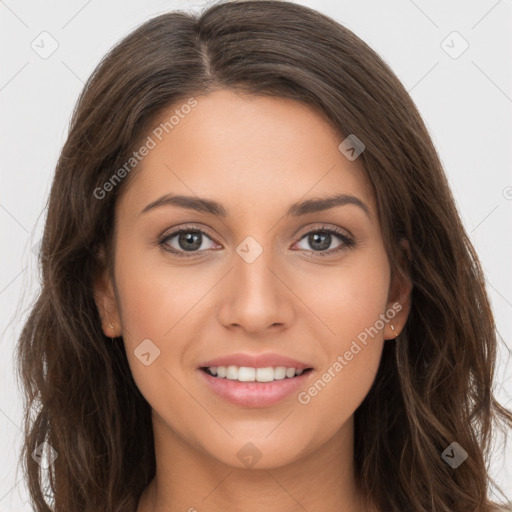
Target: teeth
column 244, row 374
column 248, row 374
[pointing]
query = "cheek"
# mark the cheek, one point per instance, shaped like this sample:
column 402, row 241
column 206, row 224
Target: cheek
column 160, row 302
column 156, row 297
column 347, row 298
column 150, row 305
column 352, row 302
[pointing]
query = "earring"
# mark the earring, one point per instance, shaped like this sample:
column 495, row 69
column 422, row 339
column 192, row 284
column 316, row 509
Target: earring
column 393, row 329
column 110, row 324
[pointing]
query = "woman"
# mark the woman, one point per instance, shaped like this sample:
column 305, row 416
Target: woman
column 257, row 291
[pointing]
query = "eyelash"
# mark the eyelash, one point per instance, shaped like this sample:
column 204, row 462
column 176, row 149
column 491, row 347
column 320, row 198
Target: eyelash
column 347, row 242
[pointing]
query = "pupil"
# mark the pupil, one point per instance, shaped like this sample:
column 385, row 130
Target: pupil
column 324, row 239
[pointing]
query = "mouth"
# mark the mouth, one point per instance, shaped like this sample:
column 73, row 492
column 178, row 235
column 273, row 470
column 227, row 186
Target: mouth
column 251, row 387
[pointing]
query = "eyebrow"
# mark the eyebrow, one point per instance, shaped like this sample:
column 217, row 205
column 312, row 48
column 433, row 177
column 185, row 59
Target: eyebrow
column 296, row 210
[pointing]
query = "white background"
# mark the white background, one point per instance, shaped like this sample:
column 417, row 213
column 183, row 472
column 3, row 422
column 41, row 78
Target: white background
column 466, row 103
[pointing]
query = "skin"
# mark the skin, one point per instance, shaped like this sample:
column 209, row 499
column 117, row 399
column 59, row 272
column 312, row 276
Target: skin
column 256, row 156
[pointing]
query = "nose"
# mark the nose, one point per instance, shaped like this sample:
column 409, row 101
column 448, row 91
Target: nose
column 256, row 295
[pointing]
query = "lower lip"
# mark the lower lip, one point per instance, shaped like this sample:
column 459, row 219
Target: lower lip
column 255, row 394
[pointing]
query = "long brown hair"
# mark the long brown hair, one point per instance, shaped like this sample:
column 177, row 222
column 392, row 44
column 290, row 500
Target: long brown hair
column 434, row 384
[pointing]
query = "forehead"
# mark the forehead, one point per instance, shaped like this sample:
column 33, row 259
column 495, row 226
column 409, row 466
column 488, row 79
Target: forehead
column 252, row 151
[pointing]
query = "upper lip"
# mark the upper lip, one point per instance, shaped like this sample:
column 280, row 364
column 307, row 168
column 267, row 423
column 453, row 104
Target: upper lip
column 255, row 361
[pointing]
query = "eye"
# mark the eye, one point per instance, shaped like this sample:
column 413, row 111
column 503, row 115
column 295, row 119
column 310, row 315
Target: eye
column 185, row 240
column 322, row 238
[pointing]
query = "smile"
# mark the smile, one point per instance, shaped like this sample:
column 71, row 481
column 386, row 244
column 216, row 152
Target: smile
column 254, row 387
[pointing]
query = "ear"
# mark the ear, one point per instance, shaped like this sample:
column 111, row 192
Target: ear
column 399, row 298
column 105, row 299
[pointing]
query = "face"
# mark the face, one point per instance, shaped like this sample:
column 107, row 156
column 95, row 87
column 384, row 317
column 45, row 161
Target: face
column 264, row 279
